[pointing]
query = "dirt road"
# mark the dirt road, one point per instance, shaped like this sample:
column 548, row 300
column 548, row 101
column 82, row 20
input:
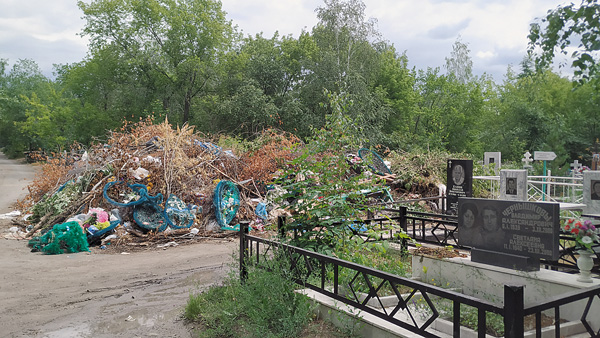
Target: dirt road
column 125, row 294
column 14, row 178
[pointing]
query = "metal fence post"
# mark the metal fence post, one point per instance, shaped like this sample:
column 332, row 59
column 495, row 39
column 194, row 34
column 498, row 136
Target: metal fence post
column 280, row 226
column 402, row 212
column 513, row 311
column 243, row 252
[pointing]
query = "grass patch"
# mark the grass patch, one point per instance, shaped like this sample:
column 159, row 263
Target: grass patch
column 265, row 306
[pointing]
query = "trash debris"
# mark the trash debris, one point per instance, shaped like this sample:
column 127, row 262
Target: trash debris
column 166, row 245
column 178, row 215
column 15, row 233
column 106, row 240
column 152, row 183
column 10, row 215
column 226, row 201
column 63, row 237
column 139, row 173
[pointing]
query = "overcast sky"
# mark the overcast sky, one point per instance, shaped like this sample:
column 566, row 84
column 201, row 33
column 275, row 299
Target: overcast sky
column 495, row 30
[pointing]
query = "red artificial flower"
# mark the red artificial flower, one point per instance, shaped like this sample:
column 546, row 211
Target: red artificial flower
column 575, row 231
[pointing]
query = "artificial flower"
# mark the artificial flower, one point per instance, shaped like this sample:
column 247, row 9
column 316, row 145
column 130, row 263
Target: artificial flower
column 584, row 232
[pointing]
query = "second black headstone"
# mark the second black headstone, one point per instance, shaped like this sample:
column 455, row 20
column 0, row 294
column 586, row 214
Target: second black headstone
column 460, row 183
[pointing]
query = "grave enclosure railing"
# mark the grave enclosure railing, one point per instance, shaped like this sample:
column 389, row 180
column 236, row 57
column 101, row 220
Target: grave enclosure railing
column 432, row 228
column 442, row 230
column 544, row 188
column 343, row 281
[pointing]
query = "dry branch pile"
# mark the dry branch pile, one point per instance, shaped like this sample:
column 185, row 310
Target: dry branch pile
column 166, row 160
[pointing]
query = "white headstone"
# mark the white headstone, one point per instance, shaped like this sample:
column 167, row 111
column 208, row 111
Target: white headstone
column 513, row 185
column 591, row 192
column 493, row 157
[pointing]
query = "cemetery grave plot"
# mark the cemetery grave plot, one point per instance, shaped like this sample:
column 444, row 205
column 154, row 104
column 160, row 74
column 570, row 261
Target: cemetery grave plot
column 433, row 228
column 437, row 252
column 494, row 323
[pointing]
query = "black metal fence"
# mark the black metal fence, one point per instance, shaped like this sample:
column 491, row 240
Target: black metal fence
column 417, row 304
column 443, row 230
column 432, row 228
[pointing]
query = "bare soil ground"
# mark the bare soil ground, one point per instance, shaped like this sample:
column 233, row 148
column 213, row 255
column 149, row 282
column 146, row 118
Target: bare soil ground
column 118, row 294
column 140, row 294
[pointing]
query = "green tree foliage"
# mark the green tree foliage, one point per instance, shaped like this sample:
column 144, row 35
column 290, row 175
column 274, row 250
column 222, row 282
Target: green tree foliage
column 326, row 193
column 459, row 64
column 173, row 46
column 394, row 83
column 23, row 81
column 566, row 27
column 184, row 60
column 448, row 114
column 248, row 111
column 108, row 90
column 542, row 112
column 349, row 48
column 272, row 71
column 344, row 31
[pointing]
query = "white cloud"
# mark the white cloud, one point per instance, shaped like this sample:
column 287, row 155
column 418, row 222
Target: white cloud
column 495, row 30
column 485, row 55
column 266, row 16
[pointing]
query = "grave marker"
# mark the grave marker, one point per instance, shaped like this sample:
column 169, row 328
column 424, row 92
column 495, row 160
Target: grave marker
column 459, row 182
column 527, row 160
column 591, row 192
column 576, row 167
column 509, row 234
column 493, row 158
column 513, row 185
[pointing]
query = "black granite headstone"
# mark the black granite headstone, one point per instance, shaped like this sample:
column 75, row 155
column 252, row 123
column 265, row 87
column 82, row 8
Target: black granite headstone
column 505, row 260
column 460, row 183
column 519, row 229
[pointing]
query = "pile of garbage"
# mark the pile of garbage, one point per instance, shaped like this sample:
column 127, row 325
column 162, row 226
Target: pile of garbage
column 151, row 181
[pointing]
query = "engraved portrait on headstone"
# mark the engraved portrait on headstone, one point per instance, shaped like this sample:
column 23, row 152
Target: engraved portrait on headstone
column 595, row 190
column 591, row 192
column 469, row 226
column 458, row 174
column 492, row 232
column 511, row 186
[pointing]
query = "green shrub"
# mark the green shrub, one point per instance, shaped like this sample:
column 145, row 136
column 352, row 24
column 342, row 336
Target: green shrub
column 265, row 306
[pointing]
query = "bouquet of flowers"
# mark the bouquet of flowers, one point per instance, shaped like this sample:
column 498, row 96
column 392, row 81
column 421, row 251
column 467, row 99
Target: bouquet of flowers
column 585, row 233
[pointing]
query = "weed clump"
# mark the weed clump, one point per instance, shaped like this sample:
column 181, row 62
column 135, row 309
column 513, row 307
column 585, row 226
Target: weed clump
column 264, row 306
